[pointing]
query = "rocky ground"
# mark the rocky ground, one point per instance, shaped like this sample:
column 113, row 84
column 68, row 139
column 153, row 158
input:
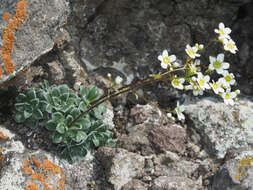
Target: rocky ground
column 80, row 41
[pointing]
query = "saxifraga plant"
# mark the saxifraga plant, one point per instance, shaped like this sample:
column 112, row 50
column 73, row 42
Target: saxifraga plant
column 55, row 107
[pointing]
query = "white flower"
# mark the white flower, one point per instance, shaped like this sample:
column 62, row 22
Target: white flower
column 118, row 80
column 178, row 83
column 223, row 31
column 229, row 45
column 229, row 97
column 193, row 67
column 203, row 81
column 217, row 87
column 228, row 78
column 196, row 90
column 166, row 60
column 175, row 64
column 218, row 63
column 192, row 51
column 179, row 109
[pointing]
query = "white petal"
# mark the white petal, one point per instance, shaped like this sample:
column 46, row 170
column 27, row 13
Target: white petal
column 172, row 58
column 163, row 65
column 220, row 71
column 232, row 81
column 207, row 78
column 225, row 72
column 227, row 30
column 212, row 59
column 180, row 86
column 233, row 95
column 216, row 31
column 160, row 58
column 195, row 49
column 165, row 53
column 181, row 80
column 221, row 26
column 211, row 67
column 197, row 55
column 176, row 64
column 221, row 89
column 225, row 65
column 220, row 57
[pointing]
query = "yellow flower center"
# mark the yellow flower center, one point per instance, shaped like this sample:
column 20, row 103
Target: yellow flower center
column 191, row 52
column 176, row 82
column 215, row 86
column 227, row 96
column 201, row 82
column 230, row 46
column 228, row 78
column 216, row 64
column 221, row 32
column 166, row 60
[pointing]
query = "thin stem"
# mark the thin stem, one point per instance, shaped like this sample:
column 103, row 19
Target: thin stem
column 124, row 89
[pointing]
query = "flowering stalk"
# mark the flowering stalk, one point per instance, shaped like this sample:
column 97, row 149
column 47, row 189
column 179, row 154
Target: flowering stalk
column 195, row 80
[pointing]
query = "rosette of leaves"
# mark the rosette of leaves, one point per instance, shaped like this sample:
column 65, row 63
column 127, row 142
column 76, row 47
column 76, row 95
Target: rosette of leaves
column 30, row 107
column 57, row 107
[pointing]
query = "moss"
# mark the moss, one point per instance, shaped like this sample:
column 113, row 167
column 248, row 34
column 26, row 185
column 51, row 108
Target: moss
column 9, row 35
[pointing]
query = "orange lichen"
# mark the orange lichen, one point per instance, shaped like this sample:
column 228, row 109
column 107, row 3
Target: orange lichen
column 2, row 136
column 49, row 166
column 31, row 186
column 43, row 171
column 1, row 156
column 37, row 176
column 9, row 36
column 6, row 16
column 26, row 168
column 36, row 162
column 243, row 167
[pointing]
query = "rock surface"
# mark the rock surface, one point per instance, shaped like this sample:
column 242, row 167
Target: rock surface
column 120, row 165
column 221, row 127
column 37, row 35
column 236, row 173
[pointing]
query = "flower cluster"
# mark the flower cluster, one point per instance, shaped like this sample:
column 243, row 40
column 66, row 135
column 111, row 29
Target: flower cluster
column 224, row 37
column 197, row 80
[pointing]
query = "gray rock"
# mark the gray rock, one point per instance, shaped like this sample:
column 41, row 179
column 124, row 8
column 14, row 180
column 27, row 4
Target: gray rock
column 146, row 114
column 77, row 175
column 136, row 185
column 174, row 183
column 137, row 140
column 221, row 127
column 235, row 174
column 164, row 166
column 170, row 137
column 37, row 35
column 120, row 165
column 153, row 133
